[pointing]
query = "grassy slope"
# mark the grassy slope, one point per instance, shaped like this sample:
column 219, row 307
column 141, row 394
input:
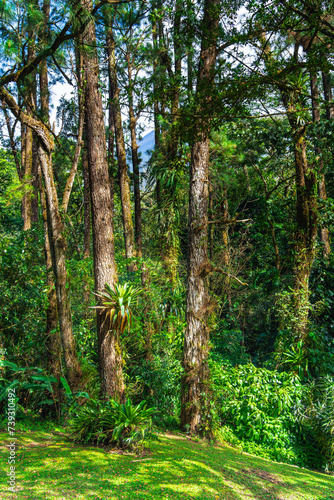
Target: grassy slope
column 51, row 467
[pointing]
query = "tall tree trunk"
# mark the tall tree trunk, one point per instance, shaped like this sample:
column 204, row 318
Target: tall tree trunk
column 194, row 399
column 169, row 147
column 79, row 68
column 324, row 235
column 155, row 84
column 306, row 210
column 326, row 82
column 28, row 159
column 58, row 252
column 110, row 354
column 87, row 225
column 111, row 153
column 54, row 343
column 30, row 142
column 135, row 163
column 23, row 160
column 54, row 340
column 226, row 260
column 120, row 146
column 305, row 234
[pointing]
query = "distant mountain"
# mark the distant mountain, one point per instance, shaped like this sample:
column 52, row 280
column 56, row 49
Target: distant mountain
column 145, row 146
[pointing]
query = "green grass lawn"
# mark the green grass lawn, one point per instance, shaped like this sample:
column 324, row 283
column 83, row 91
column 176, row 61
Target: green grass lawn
column 49, row 466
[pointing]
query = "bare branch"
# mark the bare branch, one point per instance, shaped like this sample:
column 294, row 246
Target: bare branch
column 218, row 270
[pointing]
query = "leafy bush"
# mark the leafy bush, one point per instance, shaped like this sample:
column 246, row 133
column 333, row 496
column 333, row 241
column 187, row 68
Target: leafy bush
column 36, row 392
column 258, row 406
column 111, row 422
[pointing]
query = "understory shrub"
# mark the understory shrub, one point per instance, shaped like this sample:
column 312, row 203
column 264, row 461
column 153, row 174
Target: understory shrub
column 126, row 425
column 315, row 412
column 257, row 410
column 36, row 392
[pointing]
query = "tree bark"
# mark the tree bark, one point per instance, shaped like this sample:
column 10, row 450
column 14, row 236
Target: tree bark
column 109, row 350
column 87, row 224
column 194, row 399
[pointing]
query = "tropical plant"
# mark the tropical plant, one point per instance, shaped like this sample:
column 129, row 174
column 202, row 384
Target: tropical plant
column 296, row 360
column 132, row 423
column 106, row 422
column 258, row 404
column 315, row 412
column 33, row 385
column 115, row 304
column 93, row 422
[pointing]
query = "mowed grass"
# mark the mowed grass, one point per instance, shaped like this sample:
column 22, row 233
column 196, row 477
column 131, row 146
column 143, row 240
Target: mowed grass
column 50, row 466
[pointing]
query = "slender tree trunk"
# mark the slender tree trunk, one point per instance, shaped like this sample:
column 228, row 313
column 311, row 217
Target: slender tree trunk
column 155, row 85
column 120, row 146
column 226, row 246
column 75, row 161
column 169, row 146
column 326, row 82
column 111, row 154
column 87, row 225
column 194, row 400
column 58, row 251
column 135, row 163
column 28, row 140
column 23, row 154
column 34, row 183
column 54, row 340
column 79, row 58
column 324, row 234
column 306, row 212
column 30, row 143
column 305, row 235
column 109, row 350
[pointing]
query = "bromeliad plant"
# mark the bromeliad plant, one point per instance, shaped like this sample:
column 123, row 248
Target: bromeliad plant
column 126, row 425
column 132, row 423
column 115, row 304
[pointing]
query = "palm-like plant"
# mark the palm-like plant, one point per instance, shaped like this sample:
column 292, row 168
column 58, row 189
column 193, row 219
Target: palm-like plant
column 132, row 423
column 105, row 422
column 115, row 304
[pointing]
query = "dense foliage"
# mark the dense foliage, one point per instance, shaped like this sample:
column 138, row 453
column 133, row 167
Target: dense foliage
column 188, row 285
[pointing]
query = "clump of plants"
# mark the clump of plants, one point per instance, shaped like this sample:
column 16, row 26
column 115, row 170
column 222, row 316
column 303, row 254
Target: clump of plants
column 274, row 415
column 125, row 425
column 257, row 405
column 315, row 412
